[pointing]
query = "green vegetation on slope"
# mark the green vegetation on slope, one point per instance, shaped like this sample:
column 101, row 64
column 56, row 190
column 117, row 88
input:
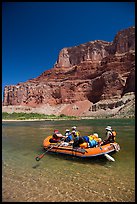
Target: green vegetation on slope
column 26, row 116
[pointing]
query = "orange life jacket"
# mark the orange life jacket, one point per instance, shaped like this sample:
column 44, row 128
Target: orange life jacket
column 114, row 133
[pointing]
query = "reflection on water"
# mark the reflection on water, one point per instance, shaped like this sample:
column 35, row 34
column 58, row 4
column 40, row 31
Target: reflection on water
column 61, row 177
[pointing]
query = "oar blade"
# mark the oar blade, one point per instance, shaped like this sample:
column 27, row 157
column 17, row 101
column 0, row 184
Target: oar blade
column 50, row 147
column 110, row 158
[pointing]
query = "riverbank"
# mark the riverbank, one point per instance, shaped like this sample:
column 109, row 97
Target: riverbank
column 63, row 119
column 124, row 108
column 33, row 117
column 14, row 120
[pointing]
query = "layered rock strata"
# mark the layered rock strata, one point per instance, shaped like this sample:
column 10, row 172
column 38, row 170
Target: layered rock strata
column 94, row 72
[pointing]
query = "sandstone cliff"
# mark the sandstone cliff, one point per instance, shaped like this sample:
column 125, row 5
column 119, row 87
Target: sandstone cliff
column 83, row 76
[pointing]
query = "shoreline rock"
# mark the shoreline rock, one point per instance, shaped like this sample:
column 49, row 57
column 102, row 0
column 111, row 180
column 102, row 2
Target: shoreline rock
column 124, row 107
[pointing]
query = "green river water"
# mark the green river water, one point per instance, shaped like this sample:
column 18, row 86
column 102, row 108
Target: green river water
column 64, row 178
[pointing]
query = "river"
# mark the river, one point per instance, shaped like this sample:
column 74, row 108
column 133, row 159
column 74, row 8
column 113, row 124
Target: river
column 62, row 178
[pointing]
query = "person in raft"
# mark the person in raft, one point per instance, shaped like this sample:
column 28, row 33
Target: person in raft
column 78, row 140
column 110, row 134
column 56, row 137
column 68, row 135
column 87, row 141
column 74, row 132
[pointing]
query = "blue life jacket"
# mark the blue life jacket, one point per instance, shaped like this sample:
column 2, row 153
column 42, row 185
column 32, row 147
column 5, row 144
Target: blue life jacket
column 69, row 138
column 86, row 138
column 92, row 143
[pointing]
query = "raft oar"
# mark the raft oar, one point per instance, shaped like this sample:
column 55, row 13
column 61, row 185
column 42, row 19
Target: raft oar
column 42, row 155
column 110, row 158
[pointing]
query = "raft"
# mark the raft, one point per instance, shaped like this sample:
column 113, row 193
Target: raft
column 80, row 152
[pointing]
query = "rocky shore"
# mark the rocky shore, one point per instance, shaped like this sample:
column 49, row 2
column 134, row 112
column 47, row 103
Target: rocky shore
column 122, row 108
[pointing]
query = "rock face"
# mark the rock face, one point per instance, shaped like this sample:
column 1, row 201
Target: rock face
column 93, row 72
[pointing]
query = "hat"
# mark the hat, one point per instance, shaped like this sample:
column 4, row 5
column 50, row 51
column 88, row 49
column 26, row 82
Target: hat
column 95, row 134
column 56, row 131
column 74, row 127
column 108, row 128
column 67, row 130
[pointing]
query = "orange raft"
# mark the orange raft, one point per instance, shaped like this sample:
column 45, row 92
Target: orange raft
column 80, row 152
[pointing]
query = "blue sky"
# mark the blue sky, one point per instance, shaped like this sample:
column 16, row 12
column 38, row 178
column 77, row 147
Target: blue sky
column 33, row 33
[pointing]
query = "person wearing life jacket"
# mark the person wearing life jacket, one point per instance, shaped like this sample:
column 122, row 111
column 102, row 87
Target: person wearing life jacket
column 56, row 137
column 78, row 141
column 110, row 134
column 74, row 132
column 68, row 136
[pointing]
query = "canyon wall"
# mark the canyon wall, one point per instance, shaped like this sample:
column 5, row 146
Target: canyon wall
column 94, row 71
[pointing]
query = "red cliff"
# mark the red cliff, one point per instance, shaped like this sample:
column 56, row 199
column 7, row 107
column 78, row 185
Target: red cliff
column 92, row 72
